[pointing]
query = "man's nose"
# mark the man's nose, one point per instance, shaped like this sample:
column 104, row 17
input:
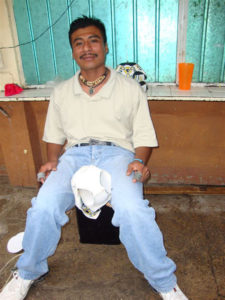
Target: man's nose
column 87, row 45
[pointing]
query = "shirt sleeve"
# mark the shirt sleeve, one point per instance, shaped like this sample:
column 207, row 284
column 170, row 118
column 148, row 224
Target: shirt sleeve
column 53, row 131
column 143, row 130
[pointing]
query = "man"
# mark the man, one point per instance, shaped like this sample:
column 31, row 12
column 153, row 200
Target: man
column 104, row 120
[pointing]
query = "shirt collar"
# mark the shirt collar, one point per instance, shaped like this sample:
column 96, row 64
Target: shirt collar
column 105, row 91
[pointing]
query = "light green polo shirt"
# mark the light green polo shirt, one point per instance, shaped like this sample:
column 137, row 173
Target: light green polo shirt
column 118, row 113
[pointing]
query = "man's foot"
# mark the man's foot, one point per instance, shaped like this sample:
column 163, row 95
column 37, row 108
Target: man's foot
column 174, row 294
column 16, row 289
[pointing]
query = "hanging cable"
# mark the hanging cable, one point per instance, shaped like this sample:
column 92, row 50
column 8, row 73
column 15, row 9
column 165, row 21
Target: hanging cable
column 41, row 34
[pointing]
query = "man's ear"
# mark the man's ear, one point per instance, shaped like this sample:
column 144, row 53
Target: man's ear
column 106, row 48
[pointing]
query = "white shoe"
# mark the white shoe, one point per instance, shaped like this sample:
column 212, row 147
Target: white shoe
column 14, row 244
column 174, row 294
column 16, row 289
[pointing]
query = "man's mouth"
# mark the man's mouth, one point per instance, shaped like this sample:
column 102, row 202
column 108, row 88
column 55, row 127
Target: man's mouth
column 88, row 56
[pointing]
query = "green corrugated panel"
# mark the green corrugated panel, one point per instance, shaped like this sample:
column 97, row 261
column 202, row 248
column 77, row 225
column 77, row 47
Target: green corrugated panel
column 39, row 22
column 215, row 41
column 28, row 61
column 124, row 30
column 168, row 40
column 194, row 35
column 144, row 31
column 206, row 39
column 61, row 42
column 146, row 38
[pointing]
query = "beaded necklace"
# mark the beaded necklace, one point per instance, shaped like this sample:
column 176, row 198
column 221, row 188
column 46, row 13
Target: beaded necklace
column 93, row 84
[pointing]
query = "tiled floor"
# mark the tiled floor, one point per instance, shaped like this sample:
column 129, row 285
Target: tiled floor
column 193, row 227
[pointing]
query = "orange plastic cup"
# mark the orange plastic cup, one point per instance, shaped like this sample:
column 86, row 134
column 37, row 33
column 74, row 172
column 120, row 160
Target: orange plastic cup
column 185, row 75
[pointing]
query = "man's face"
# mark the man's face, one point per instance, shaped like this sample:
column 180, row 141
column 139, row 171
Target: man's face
column 88, row 48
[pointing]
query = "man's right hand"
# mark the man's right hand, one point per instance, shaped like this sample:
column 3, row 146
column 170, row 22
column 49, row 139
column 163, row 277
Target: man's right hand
column 46, row 169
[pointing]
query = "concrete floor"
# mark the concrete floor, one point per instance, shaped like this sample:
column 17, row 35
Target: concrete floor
column 193, row 228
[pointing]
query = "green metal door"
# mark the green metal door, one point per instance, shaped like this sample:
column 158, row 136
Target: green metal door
column 142, row 31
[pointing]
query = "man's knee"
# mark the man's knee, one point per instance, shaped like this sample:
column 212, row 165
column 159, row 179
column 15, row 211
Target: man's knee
column 44, row 212
column 131, row 207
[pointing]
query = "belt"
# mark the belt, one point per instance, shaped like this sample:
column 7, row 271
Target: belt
column 95, row 142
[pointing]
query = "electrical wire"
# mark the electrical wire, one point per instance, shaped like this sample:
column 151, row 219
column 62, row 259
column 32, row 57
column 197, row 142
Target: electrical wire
column 14, row 257
column 41, row 34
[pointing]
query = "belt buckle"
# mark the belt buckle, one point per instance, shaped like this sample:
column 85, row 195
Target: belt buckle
column 94, row 142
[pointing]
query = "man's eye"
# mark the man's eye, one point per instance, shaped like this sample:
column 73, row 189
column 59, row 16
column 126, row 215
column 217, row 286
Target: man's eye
column 77, row 44
column 94, row 40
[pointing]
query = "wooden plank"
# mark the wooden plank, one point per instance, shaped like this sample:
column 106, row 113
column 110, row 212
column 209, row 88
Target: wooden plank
column 2, row 164
column 191, row 143
column 16, row 145
column 183, row 189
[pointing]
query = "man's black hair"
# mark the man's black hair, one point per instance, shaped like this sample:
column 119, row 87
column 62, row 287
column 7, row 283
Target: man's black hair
column 85, row 22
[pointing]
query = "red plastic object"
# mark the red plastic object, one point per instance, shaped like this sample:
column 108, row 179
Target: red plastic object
column 12, row 89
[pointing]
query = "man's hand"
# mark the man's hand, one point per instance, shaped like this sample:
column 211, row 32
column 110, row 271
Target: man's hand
column 53, row 153
column 137, row 166
column 46, row 170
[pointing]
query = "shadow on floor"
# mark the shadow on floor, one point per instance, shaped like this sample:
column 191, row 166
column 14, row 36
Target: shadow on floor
column 193, row 228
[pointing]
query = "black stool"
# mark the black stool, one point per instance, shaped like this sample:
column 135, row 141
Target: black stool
column 100, row 230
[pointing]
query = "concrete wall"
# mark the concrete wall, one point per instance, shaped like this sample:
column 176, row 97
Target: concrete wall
column 10, row 59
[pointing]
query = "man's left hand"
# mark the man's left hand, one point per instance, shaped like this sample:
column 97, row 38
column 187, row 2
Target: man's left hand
column 137, row 166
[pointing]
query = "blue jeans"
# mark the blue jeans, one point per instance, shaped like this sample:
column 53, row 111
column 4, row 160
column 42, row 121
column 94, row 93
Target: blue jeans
column 139, row 232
